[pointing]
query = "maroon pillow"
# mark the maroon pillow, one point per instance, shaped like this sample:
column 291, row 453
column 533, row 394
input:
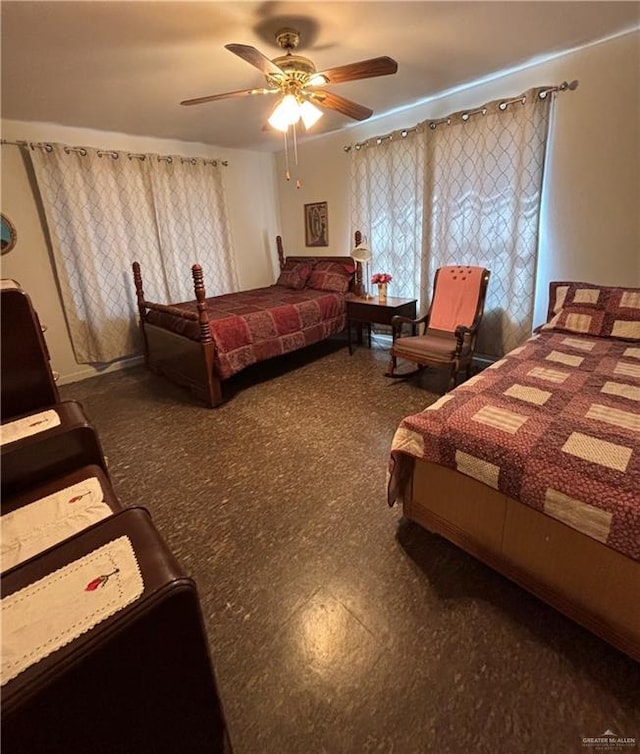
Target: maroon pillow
column 295, row 275
column 597, row 310
column 331, row 276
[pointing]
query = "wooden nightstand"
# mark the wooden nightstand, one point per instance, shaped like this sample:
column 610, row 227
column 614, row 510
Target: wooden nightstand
column 370, row 310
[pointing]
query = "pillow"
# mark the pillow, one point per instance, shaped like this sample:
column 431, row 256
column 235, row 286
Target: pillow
column 295, row 275
column 597, row 310
column 331, row 276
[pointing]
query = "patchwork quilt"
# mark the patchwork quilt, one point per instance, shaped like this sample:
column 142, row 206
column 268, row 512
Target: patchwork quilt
column 252, row 326
column 555, row 424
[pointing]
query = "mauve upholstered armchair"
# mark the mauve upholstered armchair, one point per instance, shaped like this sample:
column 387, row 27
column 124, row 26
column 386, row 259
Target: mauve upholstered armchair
column 450, row 326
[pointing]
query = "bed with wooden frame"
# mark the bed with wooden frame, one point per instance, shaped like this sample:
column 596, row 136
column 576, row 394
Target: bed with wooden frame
column 533, row 466
column 183, row 342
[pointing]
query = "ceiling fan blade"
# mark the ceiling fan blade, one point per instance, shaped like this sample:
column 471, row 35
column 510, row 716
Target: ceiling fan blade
column 227, row 95
column 255, row 58
column 364, row 69
column 341, row 104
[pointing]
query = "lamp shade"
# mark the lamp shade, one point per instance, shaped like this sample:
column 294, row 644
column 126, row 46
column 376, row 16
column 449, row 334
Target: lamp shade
column 310, row 114
column 286, row 113
column 361, row 253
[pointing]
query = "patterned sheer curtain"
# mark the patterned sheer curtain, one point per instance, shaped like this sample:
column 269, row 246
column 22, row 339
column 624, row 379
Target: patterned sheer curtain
column 105, row 209
column 191, row 213
column 387, row 206
column 484, row 182
column 477, row 197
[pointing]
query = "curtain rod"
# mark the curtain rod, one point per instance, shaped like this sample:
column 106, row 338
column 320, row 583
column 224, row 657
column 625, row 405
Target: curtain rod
column 433, row 124
column 110, row 152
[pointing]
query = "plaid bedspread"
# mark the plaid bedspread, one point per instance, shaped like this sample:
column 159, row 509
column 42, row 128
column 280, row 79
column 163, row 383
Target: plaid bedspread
column 554, row 424
column 252, row 326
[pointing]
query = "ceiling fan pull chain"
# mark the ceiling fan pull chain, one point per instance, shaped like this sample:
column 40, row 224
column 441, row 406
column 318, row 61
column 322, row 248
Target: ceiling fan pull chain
column 287, row 174
column 295, row 152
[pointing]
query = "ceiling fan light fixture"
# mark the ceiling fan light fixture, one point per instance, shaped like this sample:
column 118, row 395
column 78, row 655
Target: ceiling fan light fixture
column 286, row 113
column 277, row 122
column 310, row 114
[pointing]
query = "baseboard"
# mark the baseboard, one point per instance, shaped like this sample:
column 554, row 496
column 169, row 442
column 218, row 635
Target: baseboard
column 482, row 361
column 88, row 371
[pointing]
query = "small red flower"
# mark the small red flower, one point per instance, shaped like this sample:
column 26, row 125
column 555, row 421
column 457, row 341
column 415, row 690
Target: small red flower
column 100, row 581
column 77, row 497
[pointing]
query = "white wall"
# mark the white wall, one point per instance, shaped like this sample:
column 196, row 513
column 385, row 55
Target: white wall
column 590, row 224
column 251, row 201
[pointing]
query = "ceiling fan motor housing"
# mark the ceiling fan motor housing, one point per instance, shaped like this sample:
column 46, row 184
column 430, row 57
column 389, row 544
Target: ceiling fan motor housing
column 294, row 67
column 297, row 69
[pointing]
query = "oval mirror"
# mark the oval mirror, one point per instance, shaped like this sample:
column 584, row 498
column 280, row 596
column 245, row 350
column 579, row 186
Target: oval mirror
column 9, row 235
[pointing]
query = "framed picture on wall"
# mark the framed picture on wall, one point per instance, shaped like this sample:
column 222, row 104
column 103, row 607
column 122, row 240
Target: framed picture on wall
column 316, row 224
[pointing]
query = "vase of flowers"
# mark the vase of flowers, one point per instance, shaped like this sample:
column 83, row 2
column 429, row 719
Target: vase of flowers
column 382, row 280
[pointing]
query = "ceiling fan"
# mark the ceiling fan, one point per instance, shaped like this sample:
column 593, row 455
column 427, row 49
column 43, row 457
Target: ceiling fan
column 295, row 78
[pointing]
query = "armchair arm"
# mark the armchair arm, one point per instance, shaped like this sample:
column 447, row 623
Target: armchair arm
column 398, row 320
column 461, row 331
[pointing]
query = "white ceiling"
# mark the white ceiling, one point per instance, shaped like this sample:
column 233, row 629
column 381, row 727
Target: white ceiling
column 125, row 66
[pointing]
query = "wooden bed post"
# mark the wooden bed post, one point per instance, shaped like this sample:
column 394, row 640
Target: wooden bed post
column 280, row 248
column 201, row 295
column 142, row 307
column 213, row 383
column 137, row 279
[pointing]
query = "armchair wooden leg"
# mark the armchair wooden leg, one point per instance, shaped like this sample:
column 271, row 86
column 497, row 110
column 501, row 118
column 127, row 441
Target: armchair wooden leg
column 392, row 366
column 452, row 378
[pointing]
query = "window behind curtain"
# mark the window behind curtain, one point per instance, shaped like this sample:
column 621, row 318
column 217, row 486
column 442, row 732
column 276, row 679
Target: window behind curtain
column 387, row 206
column 480, row 200
column 106, row 209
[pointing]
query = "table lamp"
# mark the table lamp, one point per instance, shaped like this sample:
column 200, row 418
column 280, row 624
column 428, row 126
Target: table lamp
column 362, row 254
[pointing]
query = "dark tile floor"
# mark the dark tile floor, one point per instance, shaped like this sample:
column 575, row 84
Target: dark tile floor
column 336, row 626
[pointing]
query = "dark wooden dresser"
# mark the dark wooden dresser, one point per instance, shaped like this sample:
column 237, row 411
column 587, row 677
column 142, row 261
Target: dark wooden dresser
column 27, row 382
